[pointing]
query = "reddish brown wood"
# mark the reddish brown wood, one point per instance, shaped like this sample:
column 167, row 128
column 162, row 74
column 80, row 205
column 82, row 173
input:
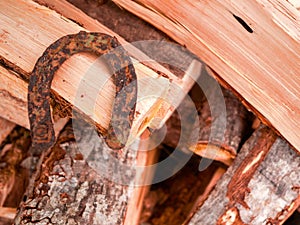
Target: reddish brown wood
column 261, row 187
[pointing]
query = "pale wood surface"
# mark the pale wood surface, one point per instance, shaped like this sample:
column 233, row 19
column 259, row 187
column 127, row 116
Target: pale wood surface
column 174, row 95
column 135, row 203
column 39, row 26
column 7, row 212
column 70, row 11
column 13, row 104
column 13, row 95
column 295, row 3
column 28, row 28
column 263, row 66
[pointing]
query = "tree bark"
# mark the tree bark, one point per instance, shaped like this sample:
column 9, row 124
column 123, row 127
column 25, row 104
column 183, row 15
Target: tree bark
column 261, row 187
column 80, row 182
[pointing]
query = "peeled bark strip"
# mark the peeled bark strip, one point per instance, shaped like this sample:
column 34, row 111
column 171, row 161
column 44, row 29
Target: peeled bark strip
column 261, row 187
column 223, row 122
column 76, row 183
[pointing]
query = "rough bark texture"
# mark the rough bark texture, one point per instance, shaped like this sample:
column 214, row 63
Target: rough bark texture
column 68, row 191
column 261, row 187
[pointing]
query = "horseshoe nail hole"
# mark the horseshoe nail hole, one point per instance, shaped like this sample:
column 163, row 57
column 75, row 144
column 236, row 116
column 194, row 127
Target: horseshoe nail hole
column 243, row 23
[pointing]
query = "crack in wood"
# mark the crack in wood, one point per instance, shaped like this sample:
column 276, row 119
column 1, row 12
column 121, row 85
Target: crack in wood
column 5, row 94
column 19, row 72
column 243, row 23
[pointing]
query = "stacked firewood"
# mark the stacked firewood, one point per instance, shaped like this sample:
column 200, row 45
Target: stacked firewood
column 224, row 166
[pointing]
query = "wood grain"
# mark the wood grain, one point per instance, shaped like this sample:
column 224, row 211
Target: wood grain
column 39, row 27
column 261, row 66
column 27, row 28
